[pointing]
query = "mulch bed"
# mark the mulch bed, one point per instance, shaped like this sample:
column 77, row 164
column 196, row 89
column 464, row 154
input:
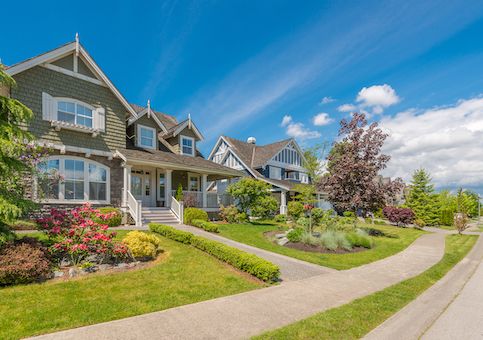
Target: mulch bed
column 310, row 248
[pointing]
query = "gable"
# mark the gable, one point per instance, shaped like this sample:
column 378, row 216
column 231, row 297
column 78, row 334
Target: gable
column 219, row 152
column 290, row 154
column 232, row 162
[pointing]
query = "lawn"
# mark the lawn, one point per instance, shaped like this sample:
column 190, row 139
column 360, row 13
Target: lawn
column 356, row 319
column 252, row 234
column 184, row 275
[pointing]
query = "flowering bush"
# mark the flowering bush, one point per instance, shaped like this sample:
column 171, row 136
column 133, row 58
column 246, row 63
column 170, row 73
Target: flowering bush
column 400, row 216
column 78, row 234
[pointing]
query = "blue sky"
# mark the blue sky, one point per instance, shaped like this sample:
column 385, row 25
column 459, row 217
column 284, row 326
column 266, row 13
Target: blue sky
column 239, row 67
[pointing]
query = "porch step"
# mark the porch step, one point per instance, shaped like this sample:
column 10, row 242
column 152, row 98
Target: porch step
column 158, row 215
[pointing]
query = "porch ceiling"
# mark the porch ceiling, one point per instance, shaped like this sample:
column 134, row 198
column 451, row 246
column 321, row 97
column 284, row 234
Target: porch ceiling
column 168, row 160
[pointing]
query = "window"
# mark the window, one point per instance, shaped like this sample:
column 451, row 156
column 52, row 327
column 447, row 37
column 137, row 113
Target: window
column 275, row 173
column 193, row 183
column 146, row 137
column 73, row 179
column 187, row 146
column 97, row 183
column 304, row 178
column 74, row 113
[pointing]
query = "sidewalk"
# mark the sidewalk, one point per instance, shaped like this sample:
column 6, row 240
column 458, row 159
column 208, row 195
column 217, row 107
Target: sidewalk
column 461, row 320
column 248, row 314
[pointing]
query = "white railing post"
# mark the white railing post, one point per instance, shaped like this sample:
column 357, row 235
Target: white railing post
column 283, row 203
column 204, row 187
column 181, row 212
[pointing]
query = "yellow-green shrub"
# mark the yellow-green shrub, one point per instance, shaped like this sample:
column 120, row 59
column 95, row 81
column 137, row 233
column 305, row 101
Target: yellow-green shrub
column 142, row 244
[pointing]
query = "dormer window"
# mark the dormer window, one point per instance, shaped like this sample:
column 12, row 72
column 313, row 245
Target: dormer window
column 74, row 113
column 187, row 146
column 146, row 137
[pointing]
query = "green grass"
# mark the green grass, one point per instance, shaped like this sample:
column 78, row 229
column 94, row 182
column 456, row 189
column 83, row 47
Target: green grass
column 252, row 234
column 186, row 275
column 356, row 319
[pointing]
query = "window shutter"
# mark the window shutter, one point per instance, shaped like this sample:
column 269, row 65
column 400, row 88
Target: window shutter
column 48, row 107
column 100, row 119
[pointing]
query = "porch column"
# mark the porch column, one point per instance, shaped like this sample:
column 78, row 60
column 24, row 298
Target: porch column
column 283, row 202
column 167, row 188
column 124, row 185
column 204, row 187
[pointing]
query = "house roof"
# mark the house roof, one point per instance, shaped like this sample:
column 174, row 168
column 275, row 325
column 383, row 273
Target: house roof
column 176, row 161
column 256, row 156
column 61, row 51
column 167, row 120
column 175, row 130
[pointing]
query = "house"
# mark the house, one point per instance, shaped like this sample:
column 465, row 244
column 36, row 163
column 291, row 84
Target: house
column 281, row 164
column 106, row 150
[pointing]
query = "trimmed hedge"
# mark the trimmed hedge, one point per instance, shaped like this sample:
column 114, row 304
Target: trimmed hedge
column 208, row 226
column 191, row 214
column 249, row 263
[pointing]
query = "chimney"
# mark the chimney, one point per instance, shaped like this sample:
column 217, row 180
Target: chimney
column 252, row 140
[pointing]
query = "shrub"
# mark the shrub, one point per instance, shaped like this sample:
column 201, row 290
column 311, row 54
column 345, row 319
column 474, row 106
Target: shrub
column 280, row 218
column 295, row 209
column 420, row 223
column 228, row 213
column 112, row 218
column 266, row 207
column 333, row 240
column 447, row 217
column 247, row 192
column 6, row 235
column 308, row 238
column 208, row 226
column 399, row 216
column 78, row 235
column 191, row 214
column 318, row 215
column 179, row 193
column 249, row 263
column 303, row 222
column 142, row 245
column 23, row 261
column 23, row 225
column 349, row 214
column 295, row 235
column 360, row 238
column 241, row 217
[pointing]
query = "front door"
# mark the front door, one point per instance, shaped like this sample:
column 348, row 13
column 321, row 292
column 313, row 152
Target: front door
column 141, row 186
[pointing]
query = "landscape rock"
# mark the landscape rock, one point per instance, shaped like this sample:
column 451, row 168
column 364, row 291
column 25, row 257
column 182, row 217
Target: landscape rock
column 103, row 267
column 122, row 265
column 73, row 272
column 280, row 235
column 58, row 273
column 283, row 241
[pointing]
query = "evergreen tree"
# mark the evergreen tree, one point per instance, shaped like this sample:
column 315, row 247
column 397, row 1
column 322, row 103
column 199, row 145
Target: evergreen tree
column 422, row 199
column 18, row 154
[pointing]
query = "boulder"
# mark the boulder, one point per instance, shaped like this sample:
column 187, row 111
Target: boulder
column 58, row 273
column 283, row 241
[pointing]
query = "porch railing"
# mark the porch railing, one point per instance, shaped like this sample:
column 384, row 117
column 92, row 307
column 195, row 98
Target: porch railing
column 177, row 208
column 135, row 209
column 213, row 200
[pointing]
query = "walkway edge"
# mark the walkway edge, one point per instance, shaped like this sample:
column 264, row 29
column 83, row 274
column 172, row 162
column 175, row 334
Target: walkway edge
column 412, row 321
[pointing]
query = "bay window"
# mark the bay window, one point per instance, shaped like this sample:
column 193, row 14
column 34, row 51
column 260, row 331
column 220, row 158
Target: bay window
column 76, row 180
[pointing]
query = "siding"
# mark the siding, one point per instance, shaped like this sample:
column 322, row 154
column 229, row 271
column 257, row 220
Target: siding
column 30, row 85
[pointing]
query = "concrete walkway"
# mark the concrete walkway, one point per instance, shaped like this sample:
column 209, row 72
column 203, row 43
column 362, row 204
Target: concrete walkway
column 290, row 269
column 450, row 309
column 251, row 313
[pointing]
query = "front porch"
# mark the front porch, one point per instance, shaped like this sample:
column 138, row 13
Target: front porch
column 150, row 183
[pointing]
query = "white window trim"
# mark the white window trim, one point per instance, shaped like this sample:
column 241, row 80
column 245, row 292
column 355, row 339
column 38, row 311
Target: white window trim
column 62, row 200
column 193, row 145
column 139, row 127
column 50, row 113
column 198, row 176
column 270, row 172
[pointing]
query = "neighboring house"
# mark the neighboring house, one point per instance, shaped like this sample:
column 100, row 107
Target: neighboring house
column 106, row 150
column 279, row 164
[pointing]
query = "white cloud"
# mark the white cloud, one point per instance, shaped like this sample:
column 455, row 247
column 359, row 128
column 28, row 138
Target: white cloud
column 286, row 120
column 322, row 119
column 377, row 97
column 347, row 108
column 447, row 141
column 297, row 129
column 327, row 100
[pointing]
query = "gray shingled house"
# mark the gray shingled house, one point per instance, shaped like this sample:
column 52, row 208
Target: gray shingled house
column 106, row 150
column 281, row 164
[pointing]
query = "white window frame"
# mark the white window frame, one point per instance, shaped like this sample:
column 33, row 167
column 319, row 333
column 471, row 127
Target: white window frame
column 76, row 115
column 198, row 177
column 193, row 146
column 153, row 130
column 61, row 199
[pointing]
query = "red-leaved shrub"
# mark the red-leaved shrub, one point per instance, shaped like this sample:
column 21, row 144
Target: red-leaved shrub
column 399, row 216
column 24, row 261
